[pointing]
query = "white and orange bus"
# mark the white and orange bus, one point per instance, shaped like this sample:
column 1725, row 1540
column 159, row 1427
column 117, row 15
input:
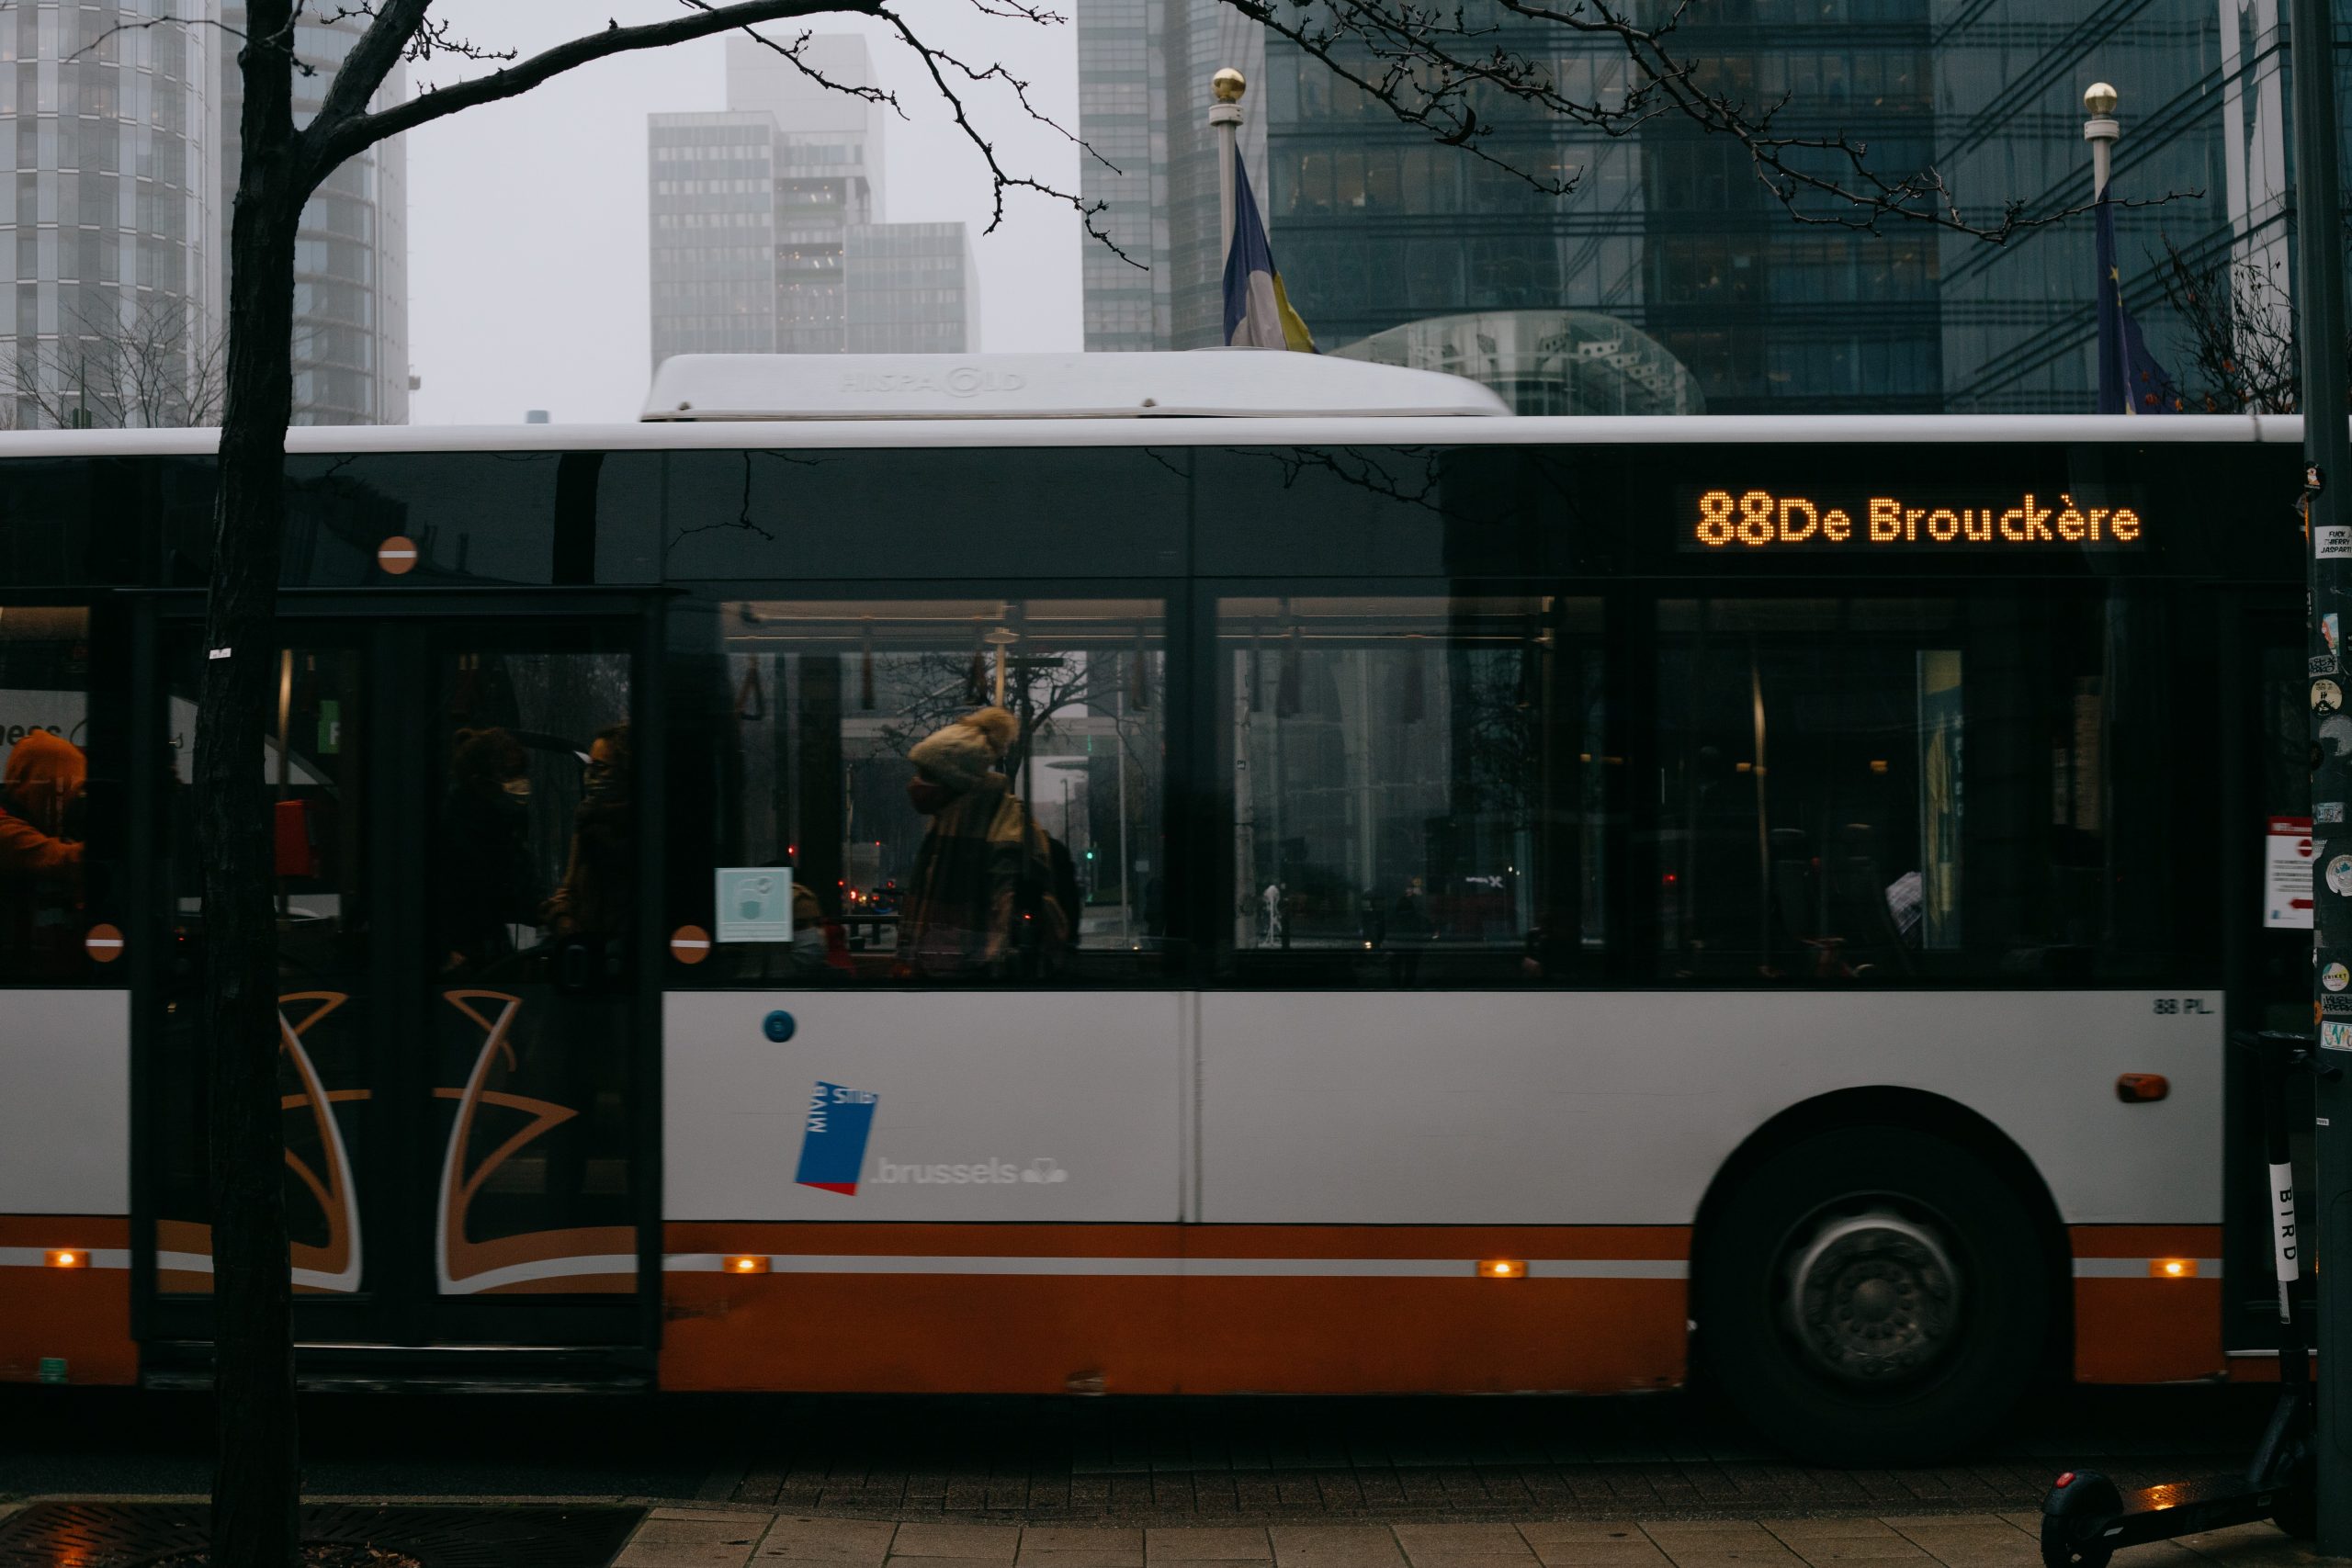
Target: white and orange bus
column 1500, row 904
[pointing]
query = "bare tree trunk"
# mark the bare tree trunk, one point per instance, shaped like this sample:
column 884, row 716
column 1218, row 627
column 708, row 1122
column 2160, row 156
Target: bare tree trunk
column 257, row 1479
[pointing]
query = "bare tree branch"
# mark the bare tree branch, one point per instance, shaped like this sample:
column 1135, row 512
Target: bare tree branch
column 933, row 58
column 350, row 129
column 2241, row 329
column 163, row 369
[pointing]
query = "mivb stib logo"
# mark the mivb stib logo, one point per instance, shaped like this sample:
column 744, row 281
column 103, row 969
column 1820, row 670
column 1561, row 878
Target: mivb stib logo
column 832, row 1144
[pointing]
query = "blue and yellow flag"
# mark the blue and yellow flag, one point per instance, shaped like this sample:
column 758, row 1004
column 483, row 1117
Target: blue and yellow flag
column 1257, row 312
column 2130, row 380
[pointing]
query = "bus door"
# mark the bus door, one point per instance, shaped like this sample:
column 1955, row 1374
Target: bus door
column 2266, row 928
column 453, row 821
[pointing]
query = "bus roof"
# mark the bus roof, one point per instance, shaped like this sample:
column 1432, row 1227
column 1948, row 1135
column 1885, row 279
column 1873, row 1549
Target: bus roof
column 1205, row 383
column 1885, row 430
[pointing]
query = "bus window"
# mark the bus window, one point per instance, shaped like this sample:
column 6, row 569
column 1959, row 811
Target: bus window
column 911, row 792
column 1416, row 788
column 1873, row 791
column 44, row 717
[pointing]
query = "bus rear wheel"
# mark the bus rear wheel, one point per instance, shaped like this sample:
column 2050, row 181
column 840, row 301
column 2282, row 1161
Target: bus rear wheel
column 1874, row 1294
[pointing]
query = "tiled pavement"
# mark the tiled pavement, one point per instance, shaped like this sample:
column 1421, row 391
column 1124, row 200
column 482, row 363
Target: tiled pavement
column 1212, row 1462
column 739, row 1538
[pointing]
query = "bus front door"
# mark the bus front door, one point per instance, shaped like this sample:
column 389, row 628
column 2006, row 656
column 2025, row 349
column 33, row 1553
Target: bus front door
column 453, row 819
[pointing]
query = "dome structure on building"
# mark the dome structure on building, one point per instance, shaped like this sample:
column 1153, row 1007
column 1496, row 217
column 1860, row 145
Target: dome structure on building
column 1545, row 362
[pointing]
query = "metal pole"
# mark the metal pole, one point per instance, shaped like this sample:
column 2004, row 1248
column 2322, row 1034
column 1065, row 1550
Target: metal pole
column 2100, row 131
column 2327, row 460
column 1225, row 118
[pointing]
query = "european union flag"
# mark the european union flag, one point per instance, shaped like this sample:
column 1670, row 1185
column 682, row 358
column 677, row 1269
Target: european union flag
column 1257, row 312
column 2130, row 380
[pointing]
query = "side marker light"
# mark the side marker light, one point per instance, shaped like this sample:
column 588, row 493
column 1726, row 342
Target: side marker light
column 67, row 1258
column 747, row 1263
column 1503, row 1268
column 2172, row 1268
column 2142, row 1089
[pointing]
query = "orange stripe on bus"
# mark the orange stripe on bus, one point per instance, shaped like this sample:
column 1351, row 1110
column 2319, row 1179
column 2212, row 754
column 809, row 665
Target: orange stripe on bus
column 81, row 1317
column 2145, row 1241
column 1169, row 1333
column 2147, row 1329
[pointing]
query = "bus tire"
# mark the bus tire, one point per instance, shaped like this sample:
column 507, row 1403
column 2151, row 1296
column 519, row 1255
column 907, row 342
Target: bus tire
column 1875, row 1294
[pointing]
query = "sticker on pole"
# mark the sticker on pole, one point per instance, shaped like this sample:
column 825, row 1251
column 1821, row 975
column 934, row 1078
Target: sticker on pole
column 2332, row 544
column 2339, row 876
column 2335, row 1036
column 2335, row 977
column 2286, row 874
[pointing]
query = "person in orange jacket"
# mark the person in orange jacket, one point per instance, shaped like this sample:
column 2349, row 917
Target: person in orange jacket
column 40, row 855
column 38, row 789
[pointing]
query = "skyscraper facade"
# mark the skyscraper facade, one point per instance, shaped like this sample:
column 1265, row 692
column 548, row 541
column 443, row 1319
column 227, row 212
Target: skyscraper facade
column 116, row 224
column 1144, row 67
column 913, row 288
column 2203, row 147
column 766, row 222
column 1667, row 230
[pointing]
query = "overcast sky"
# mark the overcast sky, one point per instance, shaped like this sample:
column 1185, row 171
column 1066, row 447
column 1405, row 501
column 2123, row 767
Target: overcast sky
column 526, row 220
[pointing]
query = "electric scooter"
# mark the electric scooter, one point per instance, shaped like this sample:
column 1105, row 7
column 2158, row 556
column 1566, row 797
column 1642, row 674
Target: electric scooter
column 2085, row 1516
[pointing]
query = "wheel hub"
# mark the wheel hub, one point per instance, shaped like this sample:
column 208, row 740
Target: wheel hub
column 1874, row 1298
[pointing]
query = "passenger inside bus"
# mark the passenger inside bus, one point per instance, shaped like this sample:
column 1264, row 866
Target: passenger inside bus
column 600, row 874
column 982, row 900
column 40, row 847
column 488, row 888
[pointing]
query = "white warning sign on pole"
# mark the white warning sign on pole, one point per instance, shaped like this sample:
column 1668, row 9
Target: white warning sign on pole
column 2286, row 873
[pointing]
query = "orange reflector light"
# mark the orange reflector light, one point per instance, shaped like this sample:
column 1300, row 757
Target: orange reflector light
column 1503, row 1268
column 2142, row 1089
column 747, row 1263
column 2173, row 1267
column 67, row 1258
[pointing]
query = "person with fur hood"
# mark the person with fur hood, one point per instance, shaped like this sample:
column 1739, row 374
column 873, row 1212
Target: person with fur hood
column 981, row 897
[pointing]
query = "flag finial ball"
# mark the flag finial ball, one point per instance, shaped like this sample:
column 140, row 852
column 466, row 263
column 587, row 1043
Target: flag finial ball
column 2101, row 100
column 1229, row 85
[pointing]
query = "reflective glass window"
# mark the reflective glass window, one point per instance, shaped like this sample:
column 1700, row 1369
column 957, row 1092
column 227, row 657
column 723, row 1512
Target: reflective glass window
column 959, row 791
column 1874, row 790
column 1417, row 788
column 44, row 771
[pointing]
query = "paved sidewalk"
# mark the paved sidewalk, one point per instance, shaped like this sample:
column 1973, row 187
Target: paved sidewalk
column 736, row 1538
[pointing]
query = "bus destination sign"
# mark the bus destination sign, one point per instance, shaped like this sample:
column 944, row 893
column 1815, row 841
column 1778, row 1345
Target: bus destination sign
column 1732, row 522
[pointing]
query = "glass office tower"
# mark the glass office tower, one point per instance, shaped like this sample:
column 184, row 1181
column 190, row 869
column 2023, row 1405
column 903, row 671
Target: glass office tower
column 1374, row 226
column 1378, row 229
column 913, row 289
column 116, row 228
column 2203, row 83
column 764, row 222
column 1667, row 229
column 1142, row 74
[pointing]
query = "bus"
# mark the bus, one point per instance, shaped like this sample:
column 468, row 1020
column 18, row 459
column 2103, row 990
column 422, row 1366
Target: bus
column 1461, row 904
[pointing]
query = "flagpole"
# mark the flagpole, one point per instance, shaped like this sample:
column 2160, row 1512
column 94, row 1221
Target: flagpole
column 1225, row 118
column 2100, row 131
